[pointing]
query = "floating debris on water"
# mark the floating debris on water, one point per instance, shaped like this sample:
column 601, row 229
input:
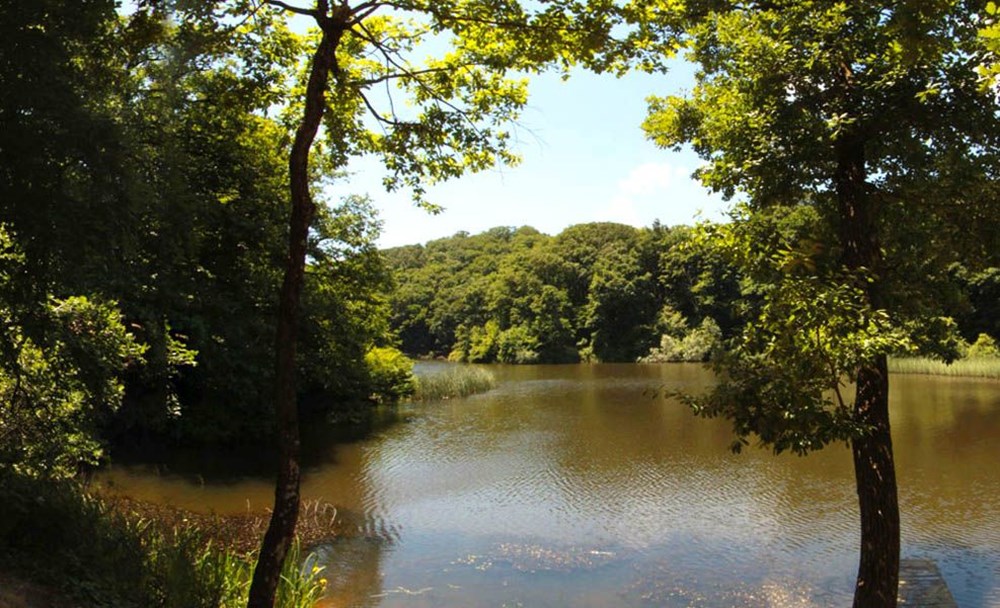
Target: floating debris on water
column 402, row 591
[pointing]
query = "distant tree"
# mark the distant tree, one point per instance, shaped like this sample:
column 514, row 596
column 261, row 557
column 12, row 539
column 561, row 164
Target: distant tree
column 580, row 246
column 621, row 305
column 696, row 281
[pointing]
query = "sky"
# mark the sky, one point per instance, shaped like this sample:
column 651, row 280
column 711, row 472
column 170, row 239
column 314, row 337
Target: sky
column 584, row 159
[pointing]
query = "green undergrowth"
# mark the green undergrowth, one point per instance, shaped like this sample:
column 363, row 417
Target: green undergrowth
column 459, row 381
column 986, row 367
column 59, row 535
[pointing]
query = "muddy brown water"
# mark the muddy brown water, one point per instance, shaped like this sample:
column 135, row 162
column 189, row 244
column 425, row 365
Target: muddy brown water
column 575, row 485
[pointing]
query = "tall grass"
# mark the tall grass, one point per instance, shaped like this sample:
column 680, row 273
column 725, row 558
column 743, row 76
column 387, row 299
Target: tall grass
column 459, row 381
column 57, row 534
column 985, row 367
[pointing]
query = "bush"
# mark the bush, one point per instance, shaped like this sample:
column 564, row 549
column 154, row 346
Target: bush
column 390, row 373
column 984, row 347
column 517, row 345
column 60, row 379
column 696, row 345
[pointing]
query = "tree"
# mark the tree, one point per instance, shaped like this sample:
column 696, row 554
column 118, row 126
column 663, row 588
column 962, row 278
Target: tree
column 458, row 104
column 873, row 114
column 696, row 281
column 621, row 305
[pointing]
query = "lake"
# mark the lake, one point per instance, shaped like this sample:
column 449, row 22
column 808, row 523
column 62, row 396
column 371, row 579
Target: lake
column 576, row 485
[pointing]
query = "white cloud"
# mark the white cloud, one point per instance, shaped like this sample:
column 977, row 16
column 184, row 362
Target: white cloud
column 640, row 196
column 648, row 178
column 621, row 210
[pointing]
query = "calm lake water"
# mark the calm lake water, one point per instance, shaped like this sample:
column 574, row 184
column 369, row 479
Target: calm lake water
column 575, row 486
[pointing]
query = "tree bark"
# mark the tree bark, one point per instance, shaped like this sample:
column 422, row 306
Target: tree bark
column 875, row 474
column 284, row 517
column 874, row 468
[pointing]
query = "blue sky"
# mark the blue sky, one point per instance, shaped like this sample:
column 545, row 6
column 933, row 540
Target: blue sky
column 584, row 159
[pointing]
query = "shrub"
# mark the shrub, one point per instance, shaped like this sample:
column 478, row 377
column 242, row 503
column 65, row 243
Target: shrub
column 695, row 345
column 60, row 379
column 984, row 347
column 484, row 342
column 390, row 373
column 517, row 345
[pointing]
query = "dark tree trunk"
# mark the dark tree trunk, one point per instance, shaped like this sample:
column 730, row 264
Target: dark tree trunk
column 875, row 475
column 281, row 529
column 874, row 469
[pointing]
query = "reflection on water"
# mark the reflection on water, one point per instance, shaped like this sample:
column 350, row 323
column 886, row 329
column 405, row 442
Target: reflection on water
column 575, row 485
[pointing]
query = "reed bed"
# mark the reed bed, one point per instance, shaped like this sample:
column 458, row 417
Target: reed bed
column 460, row 381
column 984, row 367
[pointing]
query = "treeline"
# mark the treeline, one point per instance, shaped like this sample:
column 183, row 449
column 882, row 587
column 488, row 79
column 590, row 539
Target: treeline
column 600, row 291
column 143, row 230
column 611, row 292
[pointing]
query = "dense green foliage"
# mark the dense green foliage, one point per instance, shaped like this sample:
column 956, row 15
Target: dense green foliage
column 59, row 535
column 873, row 119
column 615, row 293
column 603, row 292
column 143, row 184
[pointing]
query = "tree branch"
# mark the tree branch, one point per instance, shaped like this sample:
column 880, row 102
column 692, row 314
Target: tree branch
column 315, row 14
column 376, row 115
column 364, row 10
column 397, row 75
column 366, row 35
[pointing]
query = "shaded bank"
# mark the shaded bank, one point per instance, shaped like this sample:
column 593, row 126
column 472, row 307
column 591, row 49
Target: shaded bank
column 59, row 541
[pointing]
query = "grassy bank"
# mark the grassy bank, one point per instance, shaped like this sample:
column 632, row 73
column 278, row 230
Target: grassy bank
column 105, row 553
column 985, row 367
column 459, row 381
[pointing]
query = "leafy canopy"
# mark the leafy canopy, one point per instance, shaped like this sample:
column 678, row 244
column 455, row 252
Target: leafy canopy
column 785, row 92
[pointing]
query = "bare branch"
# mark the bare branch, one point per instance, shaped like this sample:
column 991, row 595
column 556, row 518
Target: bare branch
column 397, row 75
column 295, row 9
column 367, row 5
column 366, row 35
column 376, row 115
column 364, row 10
column 388, row 95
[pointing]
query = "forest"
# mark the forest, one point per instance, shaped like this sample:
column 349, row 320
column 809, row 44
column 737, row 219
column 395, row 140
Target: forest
column 615, row 293
column 183, row 263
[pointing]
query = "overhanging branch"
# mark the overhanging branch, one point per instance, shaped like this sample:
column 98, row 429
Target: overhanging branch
column 363, row 33
column 295, row 9
column 398, row 76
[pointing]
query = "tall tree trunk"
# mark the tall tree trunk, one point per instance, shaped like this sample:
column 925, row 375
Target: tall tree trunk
column 874, row 469
column 281, row 529
column 875, row 475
